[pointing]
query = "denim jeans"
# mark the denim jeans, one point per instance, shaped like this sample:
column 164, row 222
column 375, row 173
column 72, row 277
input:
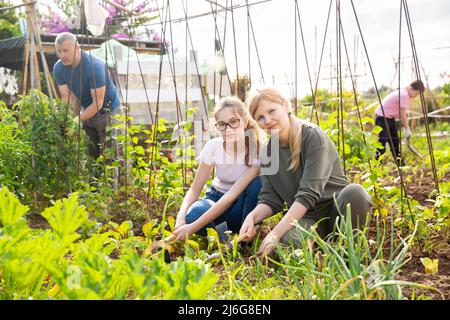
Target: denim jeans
column 234, row 215
column 95, row 129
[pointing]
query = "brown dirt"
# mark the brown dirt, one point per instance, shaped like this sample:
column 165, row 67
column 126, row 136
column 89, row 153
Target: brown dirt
column 438, row 247
column 414, row 271
column 422, row 185
column 36, row 221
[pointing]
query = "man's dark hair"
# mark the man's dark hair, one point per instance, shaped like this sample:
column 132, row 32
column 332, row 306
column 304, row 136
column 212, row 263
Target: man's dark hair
column 417, row 85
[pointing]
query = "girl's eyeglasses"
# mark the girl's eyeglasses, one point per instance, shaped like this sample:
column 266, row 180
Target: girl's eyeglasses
column 222, row 126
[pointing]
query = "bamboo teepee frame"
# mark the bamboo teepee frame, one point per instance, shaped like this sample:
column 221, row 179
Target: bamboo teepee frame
column 33, row 47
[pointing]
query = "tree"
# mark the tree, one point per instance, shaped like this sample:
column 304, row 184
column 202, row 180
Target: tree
column 371, row 94
column 445, row 93
column 9, row 22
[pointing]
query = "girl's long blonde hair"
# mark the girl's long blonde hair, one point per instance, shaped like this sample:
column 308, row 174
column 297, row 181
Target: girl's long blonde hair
column 252, row 130
column 295, row 131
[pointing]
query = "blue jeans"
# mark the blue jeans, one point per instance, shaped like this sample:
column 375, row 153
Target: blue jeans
column 234, row 215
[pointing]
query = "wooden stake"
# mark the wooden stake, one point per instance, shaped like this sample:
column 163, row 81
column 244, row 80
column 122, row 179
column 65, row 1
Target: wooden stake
column 31, row 63
column 25, row 71
column 48, row 79
column 36, row 64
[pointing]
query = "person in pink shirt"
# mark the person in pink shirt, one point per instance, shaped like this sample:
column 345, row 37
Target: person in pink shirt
column 395, row 106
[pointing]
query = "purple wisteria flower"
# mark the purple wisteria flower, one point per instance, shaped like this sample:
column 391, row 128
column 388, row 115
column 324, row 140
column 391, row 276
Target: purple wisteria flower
column 53, row 23
column 120, row 36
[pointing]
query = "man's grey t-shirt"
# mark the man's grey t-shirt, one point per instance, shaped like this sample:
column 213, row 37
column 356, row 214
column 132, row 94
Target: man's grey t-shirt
column 318, row 177
column 89, row 74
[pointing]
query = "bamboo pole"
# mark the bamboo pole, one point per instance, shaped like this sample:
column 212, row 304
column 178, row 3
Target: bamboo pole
column 31, row 64
column 30, row 40
column 48, row 79
column 36, row 65
column 26, row 65
column 14, row 7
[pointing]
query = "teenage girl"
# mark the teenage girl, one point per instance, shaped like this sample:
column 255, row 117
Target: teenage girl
column 234, row 191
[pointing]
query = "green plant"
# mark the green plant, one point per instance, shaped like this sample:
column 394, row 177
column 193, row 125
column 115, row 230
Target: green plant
column 65, row 217
column 182, row 279
column 14, row 151
column 25, row 254
column 347, row 268
column 9, row 22
column 56, row 163
column 57, row 264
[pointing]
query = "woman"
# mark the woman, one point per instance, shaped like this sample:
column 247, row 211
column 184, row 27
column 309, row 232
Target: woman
column 306, row 174
column 395, row 106
column 234, row 191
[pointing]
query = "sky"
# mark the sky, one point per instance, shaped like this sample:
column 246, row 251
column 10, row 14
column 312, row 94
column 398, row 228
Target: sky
column 274, row 29
column 274, row 26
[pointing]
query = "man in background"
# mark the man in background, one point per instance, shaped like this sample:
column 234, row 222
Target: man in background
column 83, row 80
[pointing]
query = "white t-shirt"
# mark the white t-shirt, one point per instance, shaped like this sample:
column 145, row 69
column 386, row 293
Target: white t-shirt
column 229, row 168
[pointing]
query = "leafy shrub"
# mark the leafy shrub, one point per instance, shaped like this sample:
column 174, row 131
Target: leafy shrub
column 57, row 264
column 42, row 146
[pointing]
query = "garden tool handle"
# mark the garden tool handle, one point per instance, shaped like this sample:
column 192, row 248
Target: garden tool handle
column 170, row 238
column 241, row 237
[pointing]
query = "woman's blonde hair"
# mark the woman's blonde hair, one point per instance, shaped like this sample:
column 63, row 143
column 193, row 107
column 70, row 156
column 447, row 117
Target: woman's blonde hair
column 252, row 130
column 295, row 132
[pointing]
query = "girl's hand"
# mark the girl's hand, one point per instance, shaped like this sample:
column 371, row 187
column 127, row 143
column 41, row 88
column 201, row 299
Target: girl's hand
column 179, row 222
column 183, row 232
column 248, row 228
column 268, row 244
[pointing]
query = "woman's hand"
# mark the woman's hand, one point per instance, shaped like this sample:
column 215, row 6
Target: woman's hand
column 294, row 214
column 268, row 244
column 248, row 228
column 183, row 232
